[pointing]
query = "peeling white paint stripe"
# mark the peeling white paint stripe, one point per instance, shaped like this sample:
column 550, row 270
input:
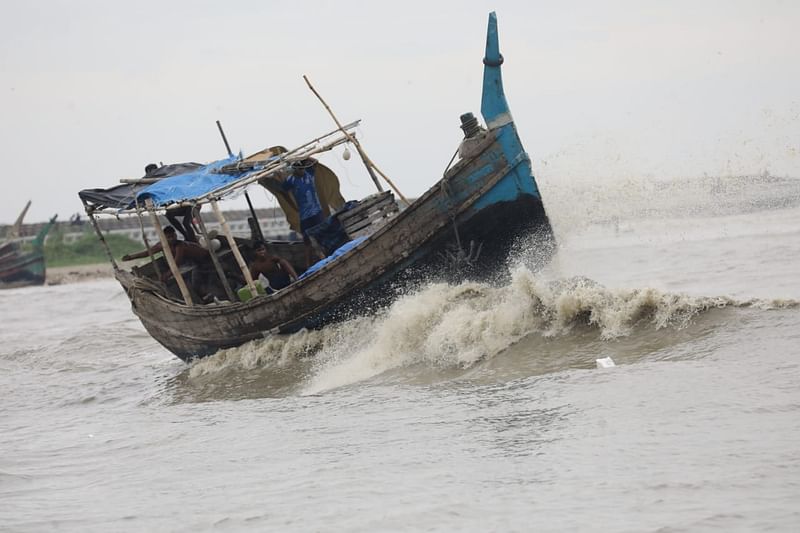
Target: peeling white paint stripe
column 500, row 121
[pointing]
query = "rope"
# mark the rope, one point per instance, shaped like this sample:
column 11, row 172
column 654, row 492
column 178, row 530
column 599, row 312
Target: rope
column 460, row 257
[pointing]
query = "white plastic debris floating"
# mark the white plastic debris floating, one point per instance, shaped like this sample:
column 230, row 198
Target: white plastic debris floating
column 606, row 362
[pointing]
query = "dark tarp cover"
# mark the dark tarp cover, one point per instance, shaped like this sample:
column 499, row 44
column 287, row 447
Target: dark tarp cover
column 190, row 180
column 123, row 195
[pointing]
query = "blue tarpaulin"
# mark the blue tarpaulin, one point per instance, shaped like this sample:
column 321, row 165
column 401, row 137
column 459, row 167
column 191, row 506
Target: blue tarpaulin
column 333, row 257
column 190, row 185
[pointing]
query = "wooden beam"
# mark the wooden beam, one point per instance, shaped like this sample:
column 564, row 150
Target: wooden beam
column 364, row 157
column 100, row 235
column 350, row 138
column 215, row 260
column 173, row 266
column 150, row 253
column 143, row 181
column 234, row 248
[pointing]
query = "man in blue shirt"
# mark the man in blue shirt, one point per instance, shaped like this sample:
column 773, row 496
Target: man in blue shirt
column 301, row 184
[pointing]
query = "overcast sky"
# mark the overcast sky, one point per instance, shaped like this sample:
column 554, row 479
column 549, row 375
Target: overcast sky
column 94, row 90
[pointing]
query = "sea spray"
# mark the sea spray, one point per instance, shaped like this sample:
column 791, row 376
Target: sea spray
column 272, row 351
column 456, row 326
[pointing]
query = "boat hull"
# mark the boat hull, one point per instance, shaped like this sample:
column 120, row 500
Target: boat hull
column 464, row 226
column 21, row 269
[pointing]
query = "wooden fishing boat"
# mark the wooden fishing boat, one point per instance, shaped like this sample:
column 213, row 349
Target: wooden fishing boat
column 465, row 224
column 22, row 265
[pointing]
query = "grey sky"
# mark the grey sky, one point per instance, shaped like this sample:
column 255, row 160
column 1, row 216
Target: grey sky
column 94, row 90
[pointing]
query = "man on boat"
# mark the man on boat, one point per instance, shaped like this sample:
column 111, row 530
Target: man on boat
column 185, row 227
column 302, row 186
column 183, row 251
column 277, row 270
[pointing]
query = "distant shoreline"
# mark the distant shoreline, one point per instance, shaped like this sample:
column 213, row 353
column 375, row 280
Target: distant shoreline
column 77, row 273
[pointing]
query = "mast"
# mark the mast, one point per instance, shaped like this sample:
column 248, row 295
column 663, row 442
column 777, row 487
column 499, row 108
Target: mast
column 256, row 228
column 90, row 213
column 167, row 251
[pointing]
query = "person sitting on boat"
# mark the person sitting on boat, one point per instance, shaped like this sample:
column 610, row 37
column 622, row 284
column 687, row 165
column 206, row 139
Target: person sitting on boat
column 183, row 252
column 277, row 270
column 302, row 186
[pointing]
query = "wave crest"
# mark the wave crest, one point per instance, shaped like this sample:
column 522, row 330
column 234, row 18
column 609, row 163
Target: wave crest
column 448, row 326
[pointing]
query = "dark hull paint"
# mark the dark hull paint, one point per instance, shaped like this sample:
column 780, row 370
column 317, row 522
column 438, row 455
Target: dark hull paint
column 437, row 260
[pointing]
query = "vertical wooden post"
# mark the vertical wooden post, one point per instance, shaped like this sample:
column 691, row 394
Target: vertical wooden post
column 101, row 237
column 215, row 260
column 173, row 266
column 247, row 196
column 147, row 242
column 234, row 248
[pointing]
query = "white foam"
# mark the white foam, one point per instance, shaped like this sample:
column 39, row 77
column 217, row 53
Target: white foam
column 456, row 326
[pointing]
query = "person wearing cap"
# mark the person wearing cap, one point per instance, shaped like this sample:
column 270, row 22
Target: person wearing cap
column 300, row 183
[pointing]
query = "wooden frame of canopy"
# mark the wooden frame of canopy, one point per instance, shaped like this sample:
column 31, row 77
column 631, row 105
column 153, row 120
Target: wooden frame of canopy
column 270, row 166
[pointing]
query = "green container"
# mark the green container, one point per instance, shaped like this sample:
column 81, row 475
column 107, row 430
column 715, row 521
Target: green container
column 245, row 294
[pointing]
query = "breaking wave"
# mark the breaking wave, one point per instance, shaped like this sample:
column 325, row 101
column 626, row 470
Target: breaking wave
column 456, row 326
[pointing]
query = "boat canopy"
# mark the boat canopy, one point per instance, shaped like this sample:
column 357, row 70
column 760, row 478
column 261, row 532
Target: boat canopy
column 198, row 183
column 193, row 181
column 121, row 197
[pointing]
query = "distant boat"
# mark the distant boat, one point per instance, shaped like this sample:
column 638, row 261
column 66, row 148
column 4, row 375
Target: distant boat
column 466, row 223
column 20, row 266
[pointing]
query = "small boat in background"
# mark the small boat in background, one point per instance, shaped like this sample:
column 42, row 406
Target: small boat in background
column 467, row 223
column 23, row 264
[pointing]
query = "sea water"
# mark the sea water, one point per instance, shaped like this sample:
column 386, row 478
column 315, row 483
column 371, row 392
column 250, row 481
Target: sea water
column 477, row 407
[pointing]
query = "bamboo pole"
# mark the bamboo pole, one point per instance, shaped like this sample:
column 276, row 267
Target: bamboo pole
column 215, row 260
column 100, row 236
column 391, row 184
column 138, row 181
column 224, row 139
column 247, row 196
column 147, row 242
column 173, row 266
column 364, row 157
column 253, row 177
column 234, row 248
column 248, row 165
column 350, row 138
